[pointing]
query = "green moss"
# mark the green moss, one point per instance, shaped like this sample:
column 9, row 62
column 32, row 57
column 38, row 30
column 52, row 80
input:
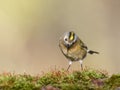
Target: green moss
column 113, row 82
column 89, row 79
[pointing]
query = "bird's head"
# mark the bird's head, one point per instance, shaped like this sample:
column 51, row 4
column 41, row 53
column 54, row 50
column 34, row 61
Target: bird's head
column 69, row 39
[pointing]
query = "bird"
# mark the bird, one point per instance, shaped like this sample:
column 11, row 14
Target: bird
column 73, row 48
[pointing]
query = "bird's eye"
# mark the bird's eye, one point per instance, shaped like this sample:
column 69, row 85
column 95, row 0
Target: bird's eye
column 65, row 39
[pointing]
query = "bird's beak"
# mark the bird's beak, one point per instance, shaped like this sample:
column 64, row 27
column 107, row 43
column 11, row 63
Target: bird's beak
column 68, row 46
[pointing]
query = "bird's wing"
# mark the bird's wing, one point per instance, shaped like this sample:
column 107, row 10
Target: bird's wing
column 83, row 45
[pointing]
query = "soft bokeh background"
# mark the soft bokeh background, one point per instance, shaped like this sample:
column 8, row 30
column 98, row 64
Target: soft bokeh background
column 30, row 31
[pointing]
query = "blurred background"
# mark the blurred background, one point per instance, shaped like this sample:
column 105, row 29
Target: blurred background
column 30, row 31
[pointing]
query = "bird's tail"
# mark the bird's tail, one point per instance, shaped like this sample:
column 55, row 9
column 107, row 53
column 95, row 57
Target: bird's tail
column 92, row 52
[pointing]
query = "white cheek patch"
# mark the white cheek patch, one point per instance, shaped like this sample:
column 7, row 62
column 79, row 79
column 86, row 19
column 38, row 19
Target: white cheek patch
column 66, row 40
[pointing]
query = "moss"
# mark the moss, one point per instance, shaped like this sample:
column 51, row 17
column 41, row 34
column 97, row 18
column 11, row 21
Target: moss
column 89, row 79
column 113, row 82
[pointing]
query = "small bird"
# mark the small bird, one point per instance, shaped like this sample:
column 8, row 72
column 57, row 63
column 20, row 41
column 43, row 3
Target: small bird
column 73, row 48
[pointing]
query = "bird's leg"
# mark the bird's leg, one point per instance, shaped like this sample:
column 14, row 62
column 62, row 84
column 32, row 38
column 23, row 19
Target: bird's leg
column 70, row 62
column 81, row 64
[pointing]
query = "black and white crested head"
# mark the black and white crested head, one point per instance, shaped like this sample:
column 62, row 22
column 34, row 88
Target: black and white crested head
column 69, row 38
